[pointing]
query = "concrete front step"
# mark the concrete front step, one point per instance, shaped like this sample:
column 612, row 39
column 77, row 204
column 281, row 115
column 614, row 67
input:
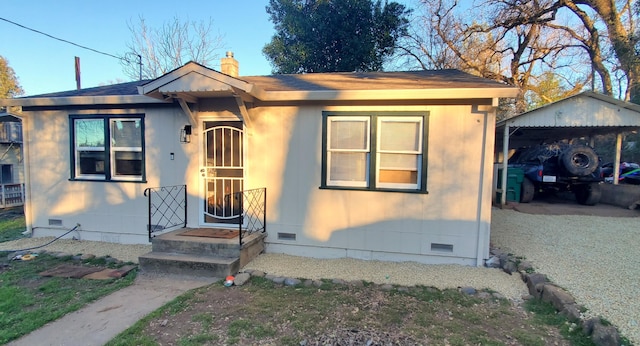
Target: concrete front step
column 175, row 243
column 188, row 265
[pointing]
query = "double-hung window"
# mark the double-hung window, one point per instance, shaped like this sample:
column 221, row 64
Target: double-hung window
column 109, row 148
column 376, row 151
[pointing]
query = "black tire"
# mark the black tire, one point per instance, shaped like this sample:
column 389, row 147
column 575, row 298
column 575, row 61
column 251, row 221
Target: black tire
column 579, row 160
column 527, row 191
column 588, row 194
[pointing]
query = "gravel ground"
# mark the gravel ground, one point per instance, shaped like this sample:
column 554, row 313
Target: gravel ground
column 126, row 253
column 595, row 258
column 400, row 273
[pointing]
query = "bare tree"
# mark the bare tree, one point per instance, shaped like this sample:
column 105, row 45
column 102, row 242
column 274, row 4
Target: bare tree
column 495, row 47
column 606, row 25
column 521, row 42
column 620, row 21
column 155, row 51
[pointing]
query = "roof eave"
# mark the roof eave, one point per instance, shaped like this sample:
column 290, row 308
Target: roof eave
column 79, row 100
column 395, row 94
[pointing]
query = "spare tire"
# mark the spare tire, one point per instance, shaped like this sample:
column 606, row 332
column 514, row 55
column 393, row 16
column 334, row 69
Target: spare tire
column 579, row 160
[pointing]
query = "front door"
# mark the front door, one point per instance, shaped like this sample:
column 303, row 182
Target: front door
column 222, row 172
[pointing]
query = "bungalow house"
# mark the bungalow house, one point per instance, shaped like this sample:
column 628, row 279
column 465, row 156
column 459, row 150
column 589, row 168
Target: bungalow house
column 384, row 165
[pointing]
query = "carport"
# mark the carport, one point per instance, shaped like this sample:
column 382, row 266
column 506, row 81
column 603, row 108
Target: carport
column 584, row 115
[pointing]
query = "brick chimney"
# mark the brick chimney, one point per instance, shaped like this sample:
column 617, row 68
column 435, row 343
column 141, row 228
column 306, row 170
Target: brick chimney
column 229, row 65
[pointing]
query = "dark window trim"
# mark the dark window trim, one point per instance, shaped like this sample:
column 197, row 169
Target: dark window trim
column 3, row 178
column 373, row 123
column 107, row 120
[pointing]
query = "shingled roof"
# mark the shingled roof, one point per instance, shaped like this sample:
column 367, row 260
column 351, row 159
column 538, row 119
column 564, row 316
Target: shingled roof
column 430, row 79
column 128, row 88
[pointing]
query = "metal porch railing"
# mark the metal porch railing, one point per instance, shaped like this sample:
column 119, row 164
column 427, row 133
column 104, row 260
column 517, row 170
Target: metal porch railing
column 167, row 208
column 11, row 195
column 253, row 218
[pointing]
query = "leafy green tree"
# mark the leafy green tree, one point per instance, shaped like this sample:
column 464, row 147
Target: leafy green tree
column 9, row 85
column 334, row 35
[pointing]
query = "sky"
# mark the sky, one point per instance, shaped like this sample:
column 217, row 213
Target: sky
column 45, row 65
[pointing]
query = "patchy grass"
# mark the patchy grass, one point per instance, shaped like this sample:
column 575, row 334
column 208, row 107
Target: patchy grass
column 546, row 315
column 261, row 312
column 28, row 301
column 11, row 224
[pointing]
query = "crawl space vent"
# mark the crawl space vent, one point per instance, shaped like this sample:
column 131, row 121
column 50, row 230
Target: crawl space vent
column 286, row 236
column 441, row 247
column 55, row 222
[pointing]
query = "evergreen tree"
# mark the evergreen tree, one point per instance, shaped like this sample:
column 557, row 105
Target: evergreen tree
column 334, row 35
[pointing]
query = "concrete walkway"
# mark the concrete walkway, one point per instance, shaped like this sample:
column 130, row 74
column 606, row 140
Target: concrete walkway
column 99, row 322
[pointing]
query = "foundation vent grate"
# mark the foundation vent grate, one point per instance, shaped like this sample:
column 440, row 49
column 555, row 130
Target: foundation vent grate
column 55, row 222
column 441, row 247
column 286, row 236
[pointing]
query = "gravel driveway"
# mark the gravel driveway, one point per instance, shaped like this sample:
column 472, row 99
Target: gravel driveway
column 595, row 258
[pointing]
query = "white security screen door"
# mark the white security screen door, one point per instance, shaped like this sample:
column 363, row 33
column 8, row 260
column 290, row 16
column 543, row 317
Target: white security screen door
column 222, row 171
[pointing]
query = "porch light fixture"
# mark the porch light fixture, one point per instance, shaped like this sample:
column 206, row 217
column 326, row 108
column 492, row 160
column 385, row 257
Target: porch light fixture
column 185, row 134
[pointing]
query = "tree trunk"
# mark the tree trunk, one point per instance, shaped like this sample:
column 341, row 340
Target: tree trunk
column 622, row 40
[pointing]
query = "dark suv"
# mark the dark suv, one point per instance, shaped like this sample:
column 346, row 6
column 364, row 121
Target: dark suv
column 559, row 167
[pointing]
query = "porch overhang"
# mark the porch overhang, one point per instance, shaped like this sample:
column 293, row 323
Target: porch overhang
column 194, row 81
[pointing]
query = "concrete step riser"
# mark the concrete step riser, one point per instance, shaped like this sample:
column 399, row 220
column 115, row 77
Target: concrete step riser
column 175, row 254
column 193, row 268
column 193, row 248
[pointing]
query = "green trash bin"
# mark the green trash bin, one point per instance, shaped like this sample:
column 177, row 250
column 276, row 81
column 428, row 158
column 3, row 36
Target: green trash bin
column 515, row 176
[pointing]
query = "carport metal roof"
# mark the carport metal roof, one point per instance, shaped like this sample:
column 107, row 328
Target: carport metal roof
column 582, row 115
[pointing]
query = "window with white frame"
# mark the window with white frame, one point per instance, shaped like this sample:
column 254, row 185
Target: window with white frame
column 107, row 148
column 378, row 151
column 348, row 151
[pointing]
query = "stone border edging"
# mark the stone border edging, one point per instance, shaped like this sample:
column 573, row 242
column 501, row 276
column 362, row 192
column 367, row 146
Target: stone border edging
column 61, row 254
column 244, row 276
column 541, row 288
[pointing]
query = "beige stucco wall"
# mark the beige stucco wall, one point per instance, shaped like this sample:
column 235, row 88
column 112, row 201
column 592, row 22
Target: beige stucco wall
column 283, row 154
column 106, row 211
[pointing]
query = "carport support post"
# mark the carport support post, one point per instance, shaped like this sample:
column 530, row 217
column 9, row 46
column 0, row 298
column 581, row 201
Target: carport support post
column 505, row 157
column 616, row 162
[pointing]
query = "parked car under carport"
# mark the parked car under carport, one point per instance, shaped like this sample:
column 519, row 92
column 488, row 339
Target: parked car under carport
column 581, row 116
column 556, row 167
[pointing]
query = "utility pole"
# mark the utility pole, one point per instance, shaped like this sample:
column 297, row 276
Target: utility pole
column 77, row 68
